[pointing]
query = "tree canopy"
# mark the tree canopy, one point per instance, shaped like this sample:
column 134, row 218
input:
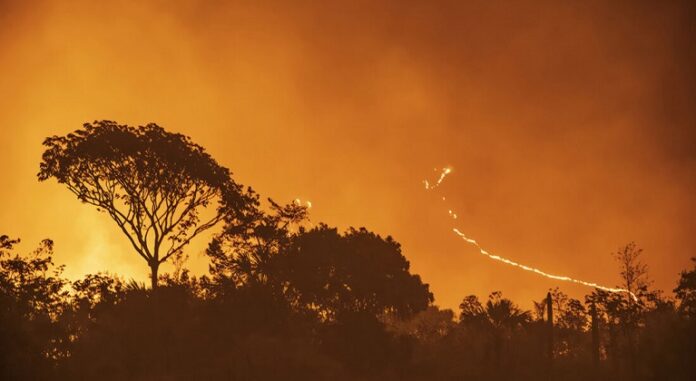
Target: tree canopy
column 154, row 184
column 318, row 269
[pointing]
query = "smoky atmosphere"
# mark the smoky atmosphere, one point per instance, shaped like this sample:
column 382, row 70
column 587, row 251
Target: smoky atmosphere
column 347, row 190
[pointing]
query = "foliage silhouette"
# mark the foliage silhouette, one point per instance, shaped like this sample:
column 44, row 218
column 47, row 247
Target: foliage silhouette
column 32, row 296
column 268, row 327
column 319, row 270
column 686, row 291
column 151, row 182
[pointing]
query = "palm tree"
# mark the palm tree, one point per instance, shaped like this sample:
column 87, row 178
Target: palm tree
column 500, row 317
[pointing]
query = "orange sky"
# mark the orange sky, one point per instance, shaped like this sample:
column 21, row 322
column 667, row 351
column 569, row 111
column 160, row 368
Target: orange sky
column 570, row 127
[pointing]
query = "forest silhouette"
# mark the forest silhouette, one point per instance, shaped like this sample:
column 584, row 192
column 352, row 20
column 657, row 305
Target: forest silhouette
column 288, row 300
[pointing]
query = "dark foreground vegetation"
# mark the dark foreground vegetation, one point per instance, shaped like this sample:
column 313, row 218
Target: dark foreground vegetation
column 285, row 300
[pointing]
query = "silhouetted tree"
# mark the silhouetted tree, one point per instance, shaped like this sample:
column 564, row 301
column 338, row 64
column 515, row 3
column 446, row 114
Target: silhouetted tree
column 570, row 338
column 686, row 292
column 32, row 296
column 498, row 312
column 634, row 273
column 152, row 183
column 318, row 270
column 500, row 318
column 355, row 272
column 621, row 316
column 569, row 313
column 243, row 253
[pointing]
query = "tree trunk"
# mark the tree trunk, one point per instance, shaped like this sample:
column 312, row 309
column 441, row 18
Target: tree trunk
column 549, row 337
column 595, row 340
column 153, row 274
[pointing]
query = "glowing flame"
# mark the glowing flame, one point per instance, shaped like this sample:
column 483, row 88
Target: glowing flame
column 481, row 250
column 299, row 202
column 445, row 171
column 307, row 204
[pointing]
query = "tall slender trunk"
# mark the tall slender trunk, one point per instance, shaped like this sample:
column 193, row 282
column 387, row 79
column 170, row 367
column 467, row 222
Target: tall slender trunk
column 153, row 274
column 595, row 340
column 549, row 337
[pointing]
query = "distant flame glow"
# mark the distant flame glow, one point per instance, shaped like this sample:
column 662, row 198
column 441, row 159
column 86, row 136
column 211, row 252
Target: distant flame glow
column 299, row 202
column 445, row 171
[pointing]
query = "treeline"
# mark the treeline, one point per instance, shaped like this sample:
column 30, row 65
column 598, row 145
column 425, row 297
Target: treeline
column 288, row 300
column 325, row 306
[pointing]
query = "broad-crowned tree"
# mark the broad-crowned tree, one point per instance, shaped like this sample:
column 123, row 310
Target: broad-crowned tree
column 154, row 184
column 320, row 269
column 354, row 272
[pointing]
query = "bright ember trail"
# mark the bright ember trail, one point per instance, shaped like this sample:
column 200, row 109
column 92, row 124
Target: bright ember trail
column 459, row 233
